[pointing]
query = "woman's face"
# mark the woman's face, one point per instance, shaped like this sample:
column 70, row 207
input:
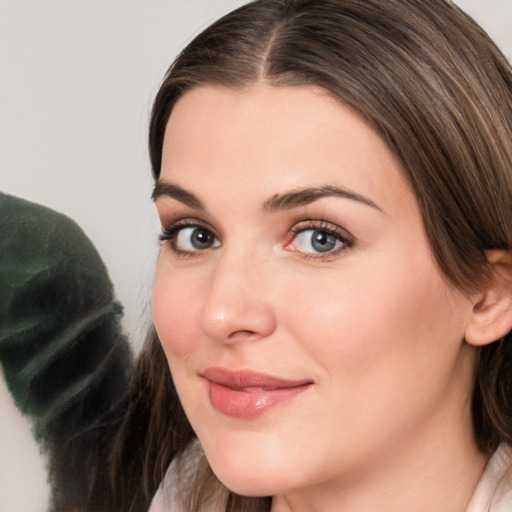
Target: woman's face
column 311, row 337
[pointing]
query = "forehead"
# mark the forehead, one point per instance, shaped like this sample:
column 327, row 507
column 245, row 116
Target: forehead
column 271, row 138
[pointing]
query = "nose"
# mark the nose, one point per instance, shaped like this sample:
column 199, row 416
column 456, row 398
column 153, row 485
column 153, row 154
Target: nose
column 238, row 305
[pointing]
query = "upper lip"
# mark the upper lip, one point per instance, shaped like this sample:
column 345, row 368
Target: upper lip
column 242, row 379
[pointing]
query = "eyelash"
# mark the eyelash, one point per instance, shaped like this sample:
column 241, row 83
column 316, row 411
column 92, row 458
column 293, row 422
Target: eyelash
column 170, row 234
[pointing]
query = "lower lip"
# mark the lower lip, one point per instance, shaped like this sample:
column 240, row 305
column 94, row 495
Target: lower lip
column 249, row 404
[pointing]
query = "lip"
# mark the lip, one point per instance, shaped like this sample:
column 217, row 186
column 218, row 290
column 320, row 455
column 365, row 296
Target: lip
column 246, row 394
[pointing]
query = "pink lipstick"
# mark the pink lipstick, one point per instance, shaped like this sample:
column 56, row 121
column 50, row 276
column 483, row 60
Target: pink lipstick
column 245, row 394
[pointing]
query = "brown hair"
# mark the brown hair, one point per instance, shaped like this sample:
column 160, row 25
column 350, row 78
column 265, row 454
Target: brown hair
column 439, row 93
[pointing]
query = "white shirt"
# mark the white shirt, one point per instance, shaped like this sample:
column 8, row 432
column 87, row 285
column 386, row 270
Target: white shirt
column 494, row 490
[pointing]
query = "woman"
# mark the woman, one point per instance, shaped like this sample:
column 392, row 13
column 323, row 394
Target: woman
column 334, row 290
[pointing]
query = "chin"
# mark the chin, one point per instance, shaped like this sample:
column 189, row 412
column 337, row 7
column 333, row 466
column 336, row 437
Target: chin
column 250, row 483
column 253, row 471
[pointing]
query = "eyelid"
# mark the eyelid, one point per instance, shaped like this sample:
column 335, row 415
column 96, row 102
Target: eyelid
column 188, row 222
column 323, row 225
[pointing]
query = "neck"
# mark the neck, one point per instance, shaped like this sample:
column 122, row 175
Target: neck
column 415, row 484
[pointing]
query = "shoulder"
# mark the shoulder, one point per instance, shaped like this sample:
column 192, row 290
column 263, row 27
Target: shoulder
column 178, row 489
column 494, row 490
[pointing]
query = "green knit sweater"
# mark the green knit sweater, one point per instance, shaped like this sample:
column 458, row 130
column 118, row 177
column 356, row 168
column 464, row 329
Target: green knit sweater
column 64, row 357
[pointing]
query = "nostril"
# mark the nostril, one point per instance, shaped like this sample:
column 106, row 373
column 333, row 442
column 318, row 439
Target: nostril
column 241, row 333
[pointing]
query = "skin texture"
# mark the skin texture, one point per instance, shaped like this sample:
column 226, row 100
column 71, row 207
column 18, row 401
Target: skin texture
column 373, row 323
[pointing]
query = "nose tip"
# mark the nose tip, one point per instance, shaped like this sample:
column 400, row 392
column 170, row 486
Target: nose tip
column 230, row 322
column 234, row 308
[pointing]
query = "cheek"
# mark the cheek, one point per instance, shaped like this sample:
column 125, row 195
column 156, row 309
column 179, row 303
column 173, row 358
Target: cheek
column 173, row 313
column 398, row 310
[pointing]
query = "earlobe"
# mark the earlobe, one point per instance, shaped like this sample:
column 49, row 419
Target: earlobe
column 491, row 318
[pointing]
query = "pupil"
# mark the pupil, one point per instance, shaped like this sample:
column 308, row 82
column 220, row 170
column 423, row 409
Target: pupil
column 201, row 239
column 322, row 241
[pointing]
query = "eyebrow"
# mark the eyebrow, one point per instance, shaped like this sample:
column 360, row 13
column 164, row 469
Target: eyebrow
column 165, row 188
column 278, row 202
column 305, row 196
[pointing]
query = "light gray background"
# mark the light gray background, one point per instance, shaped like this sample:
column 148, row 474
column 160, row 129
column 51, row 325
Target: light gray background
column 76, row 82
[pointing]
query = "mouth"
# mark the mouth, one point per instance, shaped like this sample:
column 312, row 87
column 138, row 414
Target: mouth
column 245, row 394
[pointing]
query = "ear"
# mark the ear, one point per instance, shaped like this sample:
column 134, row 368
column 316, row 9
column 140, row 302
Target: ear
column 491, row 318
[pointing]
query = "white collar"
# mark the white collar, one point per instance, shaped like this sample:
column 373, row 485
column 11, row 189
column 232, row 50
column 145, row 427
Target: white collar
column 494, row 490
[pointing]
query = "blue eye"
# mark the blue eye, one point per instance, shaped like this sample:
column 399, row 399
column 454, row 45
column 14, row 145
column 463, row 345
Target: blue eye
column 314, row 240
column 195, row 238
column 319, row 239
column 190, row 239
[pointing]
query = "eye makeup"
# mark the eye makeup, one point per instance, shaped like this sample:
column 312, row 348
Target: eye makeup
column 311, row 239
